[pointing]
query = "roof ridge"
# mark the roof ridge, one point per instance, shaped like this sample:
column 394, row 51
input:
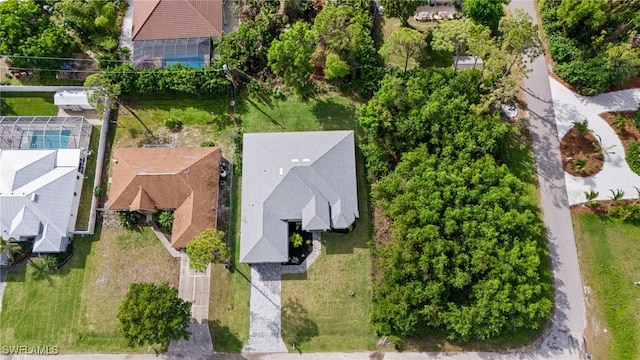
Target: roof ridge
column 133, row 35
column 200, row 14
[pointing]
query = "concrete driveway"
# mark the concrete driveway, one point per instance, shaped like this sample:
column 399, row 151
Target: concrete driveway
column 615, row 174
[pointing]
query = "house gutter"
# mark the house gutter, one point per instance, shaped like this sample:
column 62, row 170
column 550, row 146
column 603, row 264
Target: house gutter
column 99, row 166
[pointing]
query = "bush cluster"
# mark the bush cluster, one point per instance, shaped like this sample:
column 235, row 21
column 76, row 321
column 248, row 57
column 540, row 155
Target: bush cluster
column 633, row 156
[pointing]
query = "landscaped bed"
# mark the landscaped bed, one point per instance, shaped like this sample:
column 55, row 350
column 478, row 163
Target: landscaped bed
column 624, row 125
column 580, row 151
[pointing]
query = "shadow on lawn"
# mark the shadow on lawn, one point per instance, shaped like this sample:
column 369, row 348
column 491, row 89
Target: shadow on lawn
column 222, row 337
column 297, row 327
column 334, row 116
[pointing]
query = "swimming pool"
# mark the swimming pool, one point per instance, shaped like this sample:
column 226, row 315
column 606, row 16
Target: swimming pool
column 49, row 139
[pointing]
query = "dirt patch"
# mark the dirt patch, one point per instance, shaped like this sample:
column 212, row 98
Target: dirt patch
column 627, row 132
column 382, row 227
column 581, row 153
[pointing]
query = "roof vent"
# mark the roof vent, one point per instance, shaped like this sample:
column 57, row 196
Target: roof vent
column 34, row 197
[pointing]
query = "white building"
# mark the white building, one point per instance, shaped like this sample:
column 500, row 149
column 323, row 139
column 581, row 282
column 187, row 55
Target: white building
column 39, row 196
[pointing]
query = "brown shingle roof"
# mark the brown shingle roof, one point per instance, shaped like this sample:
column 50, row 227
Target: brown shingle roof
column 176, row 19
column 185, row 179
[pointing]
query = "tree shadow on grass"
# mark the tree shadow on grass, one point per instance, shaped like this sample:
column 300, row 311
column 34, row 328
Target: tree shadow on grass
column 334, row 116
column 297, row 327
column 223, row 338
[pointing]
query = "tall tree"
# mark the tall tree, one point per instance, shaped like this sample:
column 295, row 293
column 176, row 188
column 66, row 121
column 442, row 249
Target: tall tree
column 93, row 20
column 583, row 16
column 154, row 315
column 405, row 44
column 27, row 32
column 401, row 9
column 455, row 36
column 290, row 57
column 485, row 12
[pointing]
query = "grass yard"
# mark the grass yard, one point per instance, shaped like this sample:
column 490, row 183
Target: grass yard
column 318, row 314
column 27, row 104
column 204, row 119
column 82, row 221
column 324, row 113
column 609, row 252
column 76, row 307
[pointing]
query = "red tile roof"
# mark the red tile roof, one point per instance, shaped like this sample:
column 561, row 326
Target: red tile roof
column 176, row 19
column 184, row 179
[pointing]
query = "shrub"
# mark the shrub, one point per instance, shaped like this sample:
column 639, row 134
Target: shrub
column 127, row 219
column 633, row 156
column 579, row 164
column 296, row 240
column 629, row 212
column 48, row 262
column 637, row 118
column 164, row 219
column 174, row 125
column 97, row 191
column 207, row 144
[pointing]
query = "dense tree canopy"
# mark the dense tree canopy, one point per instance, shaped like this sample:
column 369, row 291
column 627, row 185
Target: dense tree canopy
column 593, row 42
column 428, row 106
column 401, row 9
column 93, row 20
column 152, row 314
column 464, row 258
column 485, row 12
column 405, row 44
column 25, row 30
column 290, row 57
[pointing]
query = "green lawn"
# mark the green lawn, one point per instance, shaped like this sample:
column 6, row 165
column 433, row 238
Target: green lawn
column 75, row 308
column 609, row 253
column 82, row 221
column 324, row 113
column 27, row 104
column 204, row 119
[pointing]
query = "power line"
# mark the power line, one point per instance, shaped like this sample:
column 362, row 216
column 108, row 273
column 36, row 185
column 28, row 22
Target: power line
column 60, row 58
column 108, row 71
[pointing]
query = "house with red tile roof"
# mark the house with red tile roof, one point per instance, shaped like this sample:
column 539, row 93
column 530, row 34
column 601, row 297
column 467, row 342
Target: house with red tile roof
column 166, row 32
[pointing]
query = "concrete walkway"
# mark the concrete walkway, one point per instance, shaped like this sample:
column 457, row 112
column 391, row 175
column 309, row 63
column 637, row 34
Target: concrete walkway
column 265, row 310
column 615, row 173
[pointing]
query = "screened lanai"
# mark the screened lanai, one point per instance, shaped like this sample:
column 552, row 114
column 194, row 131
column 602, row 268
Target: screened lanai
column 192, row 52
column 44, row 132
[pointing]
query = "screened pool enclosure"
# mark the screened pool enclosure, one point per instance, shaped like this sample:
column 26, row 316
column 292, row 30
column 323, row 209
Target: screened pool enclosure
column 192, row 52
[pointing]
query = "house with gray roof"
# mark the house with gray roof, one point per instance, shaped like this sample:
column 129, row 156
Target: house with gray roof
column 39, row 196
column 306, row 177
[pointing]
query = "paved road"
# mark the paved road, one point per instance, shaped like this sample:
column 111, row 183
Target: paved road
column 569, row 312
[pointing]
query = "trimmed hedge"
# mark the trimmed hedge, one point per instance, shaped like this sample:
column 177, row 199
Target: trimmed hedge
column 174, row 79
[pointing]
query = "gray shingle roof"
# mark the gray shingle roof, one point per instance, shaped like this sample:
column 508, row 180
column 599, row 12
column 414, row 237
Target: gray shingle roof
column 297, row 176
column 37, row 196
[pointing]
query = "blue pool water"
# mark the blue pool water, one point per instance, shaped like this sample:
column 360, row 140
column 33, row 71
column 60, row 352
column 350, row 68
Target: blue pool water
column 49, row 139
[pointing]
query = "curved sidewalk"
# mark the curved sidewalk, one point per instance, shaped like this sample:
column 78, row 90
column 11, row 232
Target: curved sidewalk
column 615, row 173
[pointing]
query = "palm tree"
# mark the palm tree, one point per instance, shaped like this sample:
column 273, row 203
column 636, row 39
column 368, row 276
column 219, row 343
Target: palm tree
column 8, row 247
column 606, row 150
column 616, row 195
column 582, row 127
column 590, row 195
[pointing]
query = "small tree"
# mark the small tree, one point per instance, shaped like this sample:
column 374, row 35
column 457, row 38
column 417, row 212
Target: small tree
column 591, row 195
column 154, row 315
column 127, row 219
column 207, row 247
column 616, row 195
column 296, row 240
column 8, row 247
column 404, row 43
column 582, row 127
